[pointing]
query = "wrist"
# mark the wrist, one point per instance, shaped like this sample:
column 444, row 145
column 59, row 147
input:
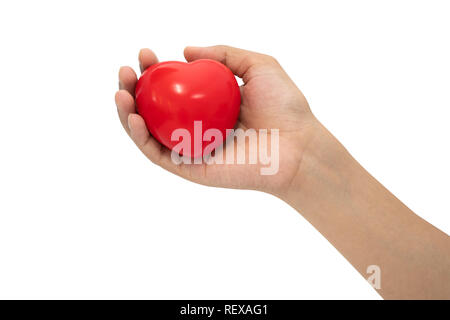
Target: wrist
column 323, row 171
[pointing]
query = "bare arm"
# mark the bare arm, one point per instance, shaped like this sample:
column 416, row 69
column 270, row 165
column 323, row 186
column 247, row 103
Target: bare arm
column 317, row 176
column 368, row 224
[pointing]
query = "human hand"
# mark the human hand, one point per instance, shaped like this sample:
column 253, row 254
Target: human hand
column 317, row 176
column 269, row 100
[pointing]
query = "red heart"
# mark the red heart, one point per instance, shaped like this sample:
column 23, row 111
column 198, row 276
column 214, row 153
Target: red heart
column 172, row 95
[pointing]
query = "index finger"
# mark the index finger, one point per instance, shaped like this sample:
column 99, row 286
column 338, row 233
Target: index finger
column 239, row 61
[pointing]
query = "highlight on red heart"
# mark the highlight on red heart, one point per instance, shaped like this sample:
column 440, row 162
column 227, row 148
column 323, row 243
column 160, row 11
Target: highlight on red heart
column 262, row 150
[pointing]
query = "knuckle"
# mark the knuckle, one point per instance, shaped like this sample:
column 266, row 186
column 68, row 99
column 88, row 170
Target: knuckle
column 271, row 60
column 221, row 46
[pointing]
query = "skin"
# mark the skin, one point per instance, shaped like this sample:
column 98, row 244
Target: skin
column 317, row 177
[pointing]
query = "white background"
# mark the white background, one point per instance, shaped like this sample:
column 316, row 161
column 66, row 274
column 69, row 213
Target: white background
column 83, row 214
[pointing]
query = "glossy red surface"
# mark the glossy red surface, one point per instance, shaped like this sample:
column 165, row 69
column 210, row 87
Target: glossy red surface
column 173, row 94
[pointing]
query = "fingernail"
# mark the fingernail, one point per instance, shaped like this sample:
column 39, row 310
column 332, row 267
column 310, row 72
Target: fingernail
column 120, row 82
column 129, row 122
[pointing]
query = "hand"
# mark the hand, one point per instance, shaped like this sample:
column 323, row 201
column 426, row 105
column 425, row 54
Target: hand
column 317, row 176
column 270, row 100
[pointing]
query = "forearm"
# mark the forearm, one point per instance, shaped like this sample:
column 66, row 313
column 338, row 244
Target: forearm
column 368, row 224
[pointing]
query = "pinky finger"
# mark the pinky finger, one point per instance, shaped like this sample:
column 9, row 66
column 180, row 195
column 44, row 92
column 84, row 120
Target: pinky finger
column 151, row 148
column 142, row 138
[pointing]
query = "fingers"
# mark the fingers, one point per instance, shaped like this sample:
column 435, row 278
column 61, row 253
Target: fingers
column 146, row 58
column 127, row 84
column 139, row 133
column 134, row 124
column 125, row 96
column 127, row 79
column 239, row 61
column 125, row 106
